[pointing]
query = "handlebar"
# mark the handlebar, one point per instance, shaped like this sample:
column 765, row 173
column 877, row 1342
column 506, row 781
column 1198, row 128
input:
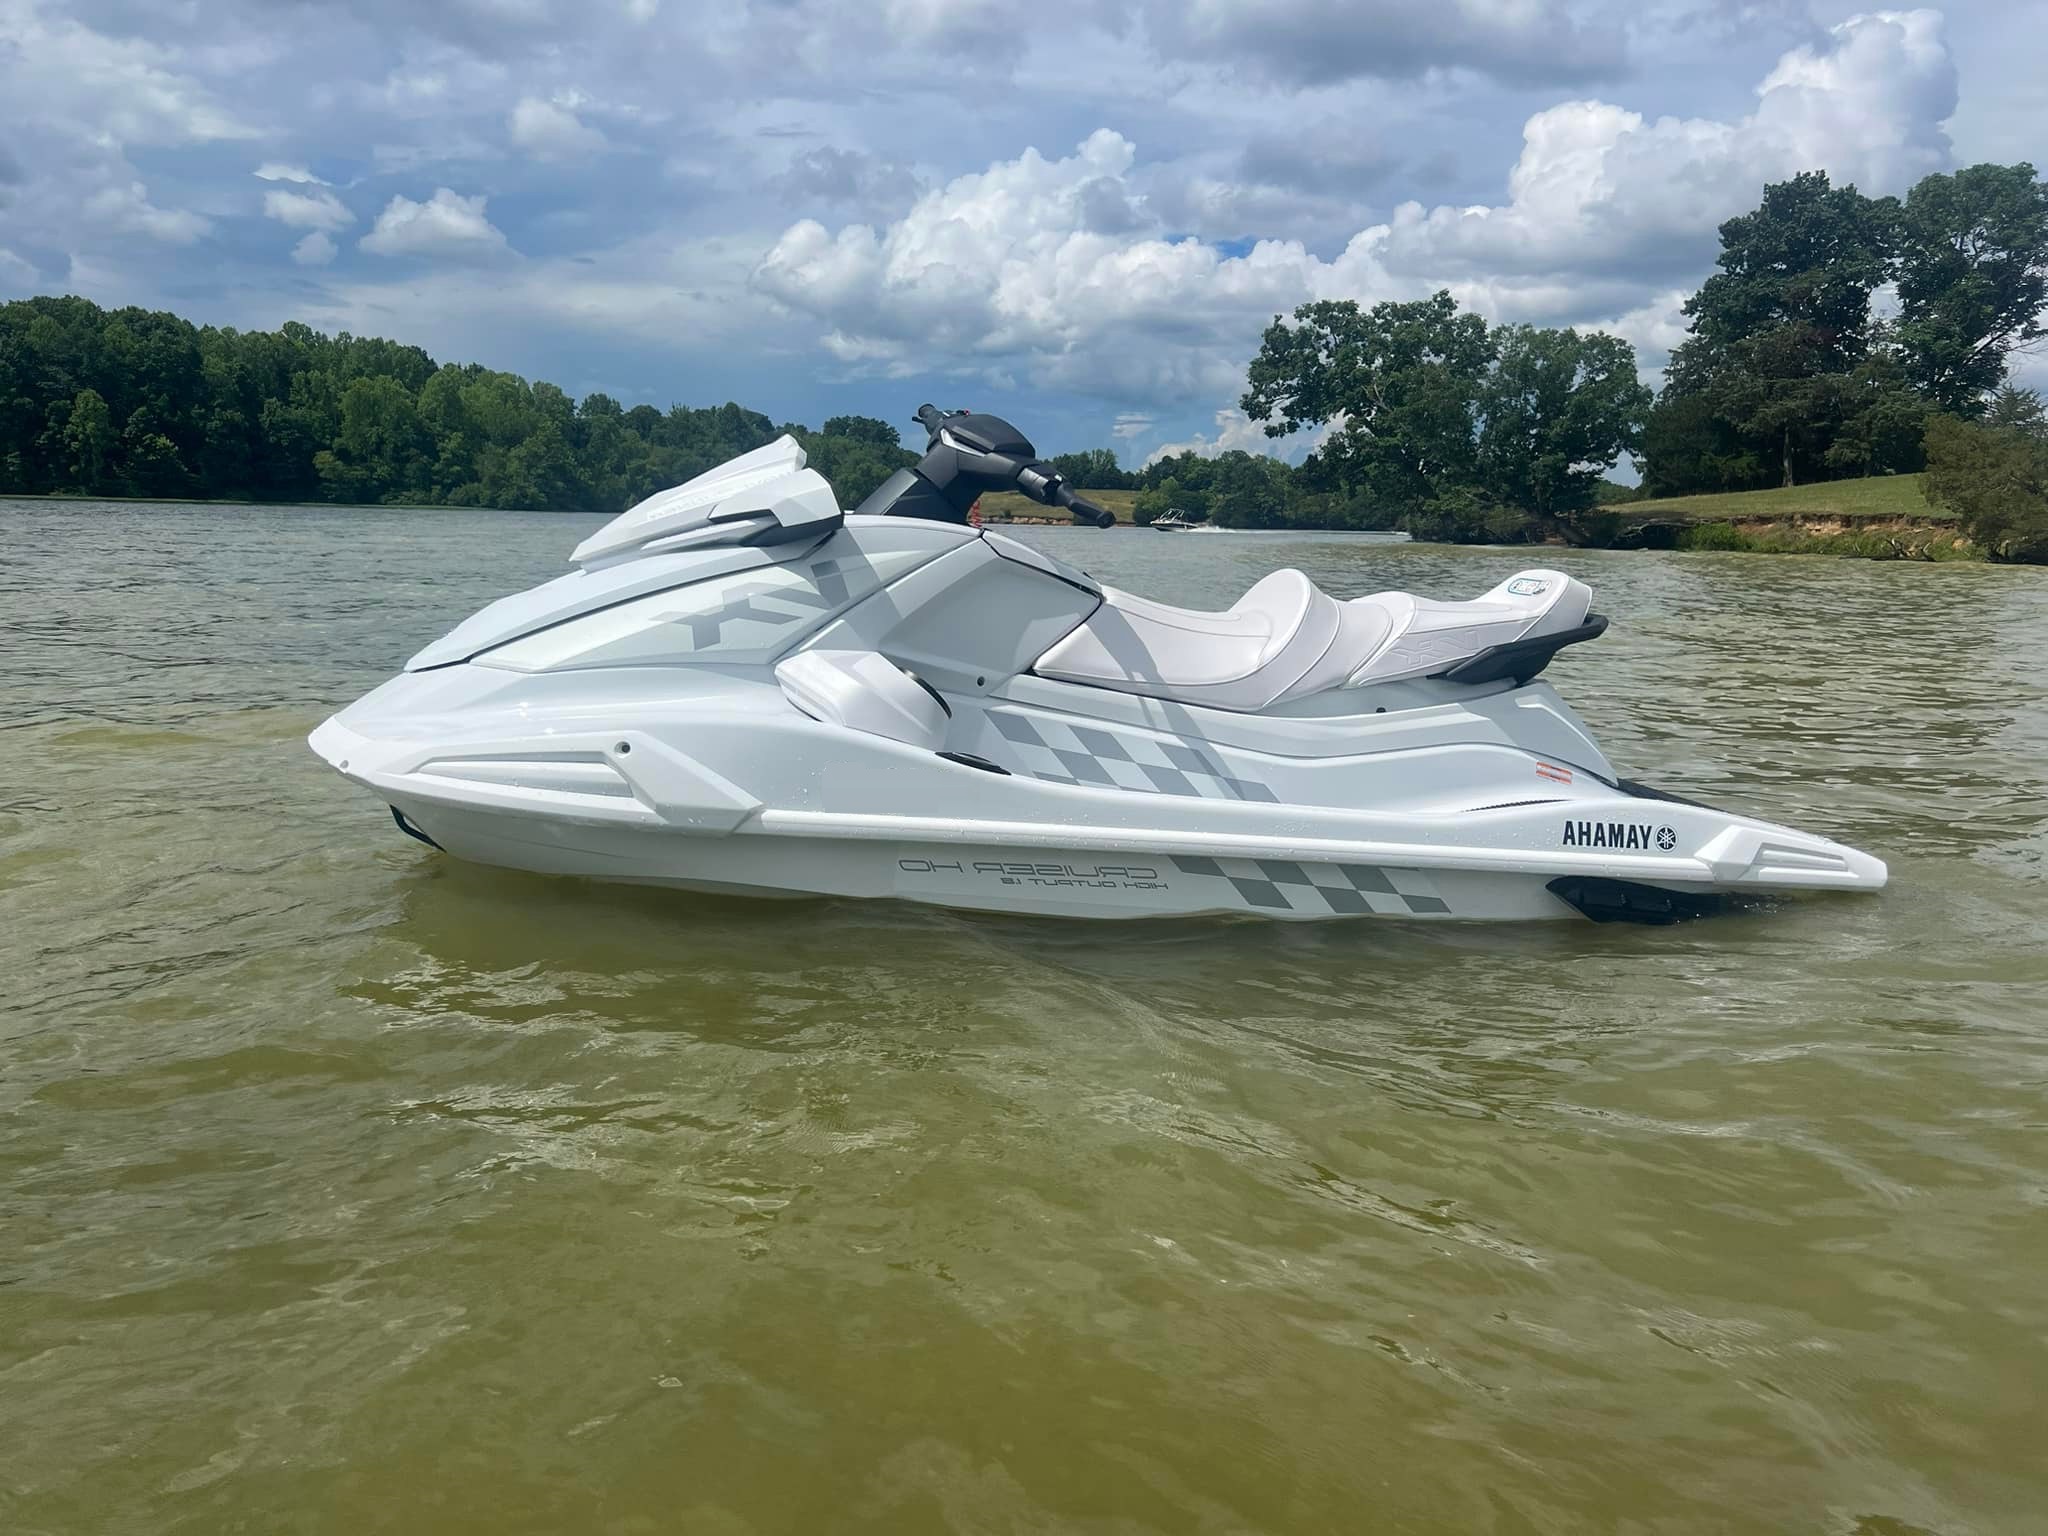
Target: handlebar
column 1042, row 484
column 1084, row 510
column 1035, row 478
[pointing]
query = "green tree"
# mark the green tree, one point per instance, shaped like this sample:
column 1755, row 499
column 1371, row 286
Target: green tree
column 1093, row 469
column 89, row 437
column 1785, row 318
column 1556, row 411
column 151, row 464
column 2021, row 409
column 855, row 453
column 299, row 426
column 1880, row 417
column 1397, row 387
column 1247, row 490
column 539, row 470
column 1688, row 449
column 864, row 429
column 1973, row 279
column 1468, row 514
column 380, row 449
column 1994, row 477
column 444, row 416
column 1806, row 259
column 604, row 451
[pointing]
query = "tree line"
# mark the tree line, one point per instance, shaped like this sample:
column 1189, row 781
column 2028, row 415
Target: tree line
column 1794, row 371
column 134, row 402
column 1839, row 336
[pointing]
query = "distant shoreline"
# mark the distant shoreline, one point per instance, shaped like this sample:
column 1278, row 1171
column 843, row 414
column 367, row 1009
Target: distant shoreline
column 1792, row 522
column 67, row 497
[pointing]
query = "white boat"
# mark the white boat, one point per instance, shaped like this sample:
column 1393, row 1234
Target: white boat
column 743, row 688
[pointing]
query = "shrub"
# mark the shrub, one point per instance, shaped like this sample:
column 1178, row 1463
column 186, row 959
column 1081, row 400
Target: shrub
column 1712, row 536
column 1466, row 515
column 1994, row 477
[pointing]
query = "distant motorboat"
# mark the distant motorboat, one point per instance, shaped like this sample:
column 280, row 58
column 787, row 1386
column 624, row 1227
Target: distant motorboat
column 1179, row 520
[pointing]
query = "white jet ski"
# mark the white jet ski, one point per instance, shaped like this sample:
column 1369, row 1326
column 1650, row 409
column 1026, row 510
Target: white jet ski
column 742, row 688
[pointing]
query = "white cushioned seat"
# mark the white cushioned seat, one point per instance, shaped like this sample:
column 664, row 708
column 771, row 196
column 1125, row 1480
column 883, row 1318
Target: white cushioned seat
column 1285, row 638
column 1243, row 659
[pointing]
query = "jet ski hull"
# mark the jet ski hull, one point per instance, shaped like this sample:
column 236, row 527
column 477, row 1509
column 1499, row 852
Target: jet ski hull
column 743, row 690
column 1021, row 879
column 739, row 813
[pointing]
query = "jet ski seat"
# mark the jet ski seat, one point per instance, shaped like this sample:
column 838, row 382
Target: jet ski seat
column 1286, row 638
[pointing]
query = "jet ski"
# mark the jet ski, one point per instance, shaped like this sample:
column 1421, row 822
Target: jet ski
column 742, row 688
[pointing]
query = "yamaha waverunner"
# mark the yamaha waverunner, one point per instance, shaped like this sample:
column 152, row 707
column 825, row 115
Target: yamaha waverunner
column 743, row 688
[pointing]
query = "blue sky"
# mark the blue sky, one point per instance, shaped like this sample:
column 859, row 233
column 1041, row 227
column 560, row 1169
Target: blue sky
column 1078, row 214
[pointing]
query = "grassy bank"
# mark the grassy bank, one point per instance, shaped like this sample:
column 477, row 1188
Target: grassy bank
column 1884, row 497
column 1882, row 518
column 1009, row 507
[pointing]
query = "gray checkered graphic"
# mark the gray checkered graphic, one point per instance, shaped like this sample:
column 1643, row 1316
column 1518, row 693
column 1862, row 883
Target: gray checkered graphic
column 1059, row 753
column 1085, row 769
column 1365, row 878
column 1346, row 888
column 1169, row 781
column 1100, row 743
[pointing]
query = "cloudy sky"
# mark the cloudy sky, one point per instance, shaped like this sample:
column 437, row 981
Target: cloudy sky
column 1079, row 213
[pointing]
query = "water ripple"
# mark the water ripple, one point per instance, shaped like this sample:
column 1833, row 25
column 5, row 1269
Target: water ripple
column 337, row 1179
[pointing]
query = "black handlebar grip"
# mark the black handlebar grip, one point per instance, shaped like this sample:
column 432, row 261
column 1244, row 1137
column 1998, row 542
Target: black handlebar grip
column 1040, row 483
column 929, row 417
column 1086, row 511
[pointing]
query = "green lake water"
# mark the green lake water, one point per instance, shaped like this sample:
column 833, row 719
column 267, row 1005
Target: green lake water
column 345, row 1188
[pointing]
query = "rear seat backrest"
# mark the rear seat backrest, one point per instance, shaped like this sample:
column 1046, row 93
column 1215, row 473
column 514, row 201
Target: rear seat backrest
column 1426, row 637
column 1311, row 640
column 1360, row 630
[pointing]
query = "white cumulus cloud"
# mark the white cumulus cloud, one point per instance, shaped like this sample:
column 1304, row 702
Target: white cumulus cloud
column 316, row 250
column 447, row 224
column 275, row 170
column 1600, row 190
column 126, row 209
column 1234, row 429
column 1608, row 214
column 307, row 210
column 549, row 130
column 126, row 89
